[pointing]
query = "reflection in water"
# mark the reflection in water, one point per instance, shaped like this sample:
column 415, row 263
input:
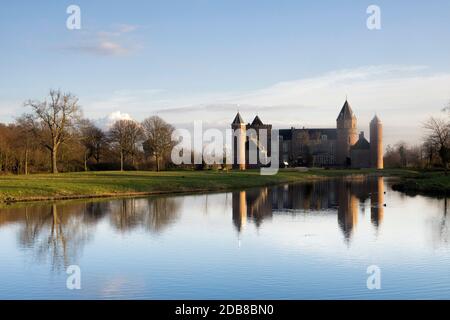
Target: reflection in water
column 440, row 227
column 58, row 232
column 153, row 214
column 177, row 247
column 377, row 201
column 345, row 195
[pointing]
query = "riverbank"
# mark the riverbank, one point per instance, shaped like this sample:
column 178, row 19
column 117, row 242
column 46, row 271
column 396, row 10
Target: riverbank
column 39, row 187
column 426, row 183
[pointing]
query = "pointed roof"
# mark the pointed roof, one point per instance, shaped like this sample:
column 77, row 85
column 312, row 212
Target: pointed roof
column 361, row 144
column 257, row 122
column 375, row 119
column 238, row 119
column 346, row 112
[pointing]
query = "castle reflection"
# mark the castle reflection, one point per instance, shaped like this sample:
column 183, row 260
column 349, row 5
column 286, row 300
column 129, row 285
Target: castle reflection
column 344, row 197
column 57, row 233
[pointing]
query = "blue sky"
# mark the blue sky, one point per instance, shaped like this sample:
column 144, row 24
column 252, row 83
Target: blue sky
column 292, row 62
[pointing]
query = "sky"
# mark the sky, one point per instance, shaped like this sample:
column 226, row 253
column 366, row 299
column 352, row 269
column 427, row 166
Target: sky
column 291, row 62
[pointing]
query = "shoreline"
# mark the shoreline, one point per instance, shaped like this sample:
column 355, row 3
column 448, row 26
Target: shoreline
column 167, row 183
column 113, row 184
column 426, row 186
column 143, row 194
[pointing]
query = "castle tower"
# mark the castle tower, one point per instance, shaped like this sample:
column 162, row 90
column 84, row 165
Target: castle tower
column 346, row 134
column 376, row 143
column 260, row 135
column 239, row 139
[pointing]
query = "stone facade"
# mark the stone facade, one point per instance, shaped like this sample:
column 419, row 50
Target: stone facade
column 360, row 153
column 316, row 147
column 347, row 135
column 251, row 143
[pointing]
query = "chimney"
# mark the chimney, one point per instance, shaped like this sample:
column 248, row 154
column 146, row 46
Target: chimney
column 361, row 135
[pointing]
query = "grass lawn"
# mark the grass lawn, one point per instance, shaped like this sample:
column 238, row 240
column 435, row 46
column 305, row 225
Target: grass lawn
column 431, row 183
column 113, row 183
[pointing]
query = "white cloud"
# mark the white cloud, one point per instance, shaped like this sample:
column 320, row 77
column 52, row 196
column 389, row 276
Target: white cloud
column 107, row 43
column 107, row 122
column 403, row 96
column 125, row 28
column 103, row 47
column 118, row 31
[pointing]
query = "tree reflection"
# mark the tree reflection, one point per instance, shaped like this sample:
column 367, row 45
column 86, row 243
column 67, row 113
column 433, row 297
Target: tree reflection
column 58, row 232
column 152, row 214
column 440, row 226
column 55, row 233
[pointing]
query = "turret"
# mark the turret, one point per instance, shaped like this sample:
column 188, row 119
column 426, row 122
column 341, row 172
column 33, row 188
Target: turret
column 376, row 143
column 239, row 139
column 346, row 134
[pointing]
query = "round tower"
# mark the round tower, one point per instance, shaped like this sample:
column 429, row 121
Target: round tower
column 239, row 139
column 347, row 134
column 376, row 143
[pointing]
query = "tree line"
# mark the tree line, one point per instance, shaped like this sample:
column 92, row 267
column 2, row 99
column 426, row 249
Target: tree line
column 54, row 136
column 432, row 152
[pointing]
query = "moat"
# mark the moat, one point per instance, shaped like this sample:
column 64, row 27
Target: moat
column 294, row 241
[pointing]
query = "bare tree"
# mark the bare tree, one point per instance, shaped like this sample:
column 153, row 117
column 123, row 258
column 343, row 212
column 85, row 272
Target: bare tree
column 93, row 140
column 54, row 117
column 25, row 139
column 402, row 148
column 126, row 134
column 158, row 138
column 430, row 151
column 439, row 135
column 447, row 108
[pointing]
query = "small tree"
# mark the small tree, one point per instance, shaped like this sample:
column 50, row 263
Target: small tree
column 126, row 134
column 439, row 136
column 402, row 149
column 25, row 139
column 53, row 119
column 93, row 140
column 158, row 138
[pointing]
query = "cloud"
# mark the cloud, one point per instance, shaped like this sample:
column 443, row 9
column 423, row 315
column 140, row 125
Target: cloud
column 102, row 47
column 403, row 96
column 107, row 122
column 106, row 43
column 118, row 31
column 125, row 28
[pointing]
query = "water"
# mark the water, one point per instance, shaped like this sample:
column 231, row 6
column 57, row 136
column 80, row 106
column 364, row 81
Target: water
column 301, row 241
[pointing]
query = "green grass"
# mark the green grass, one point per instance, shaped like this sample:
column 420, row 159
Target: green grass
column 431, row 183
column 113, row 183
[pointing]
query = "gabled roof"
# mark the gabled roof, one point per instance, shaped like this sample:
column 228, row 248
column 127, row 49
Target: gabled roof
column 238, row 119
column 285, row 133
column 361, row 144
column 346, row 112
column 257, row 122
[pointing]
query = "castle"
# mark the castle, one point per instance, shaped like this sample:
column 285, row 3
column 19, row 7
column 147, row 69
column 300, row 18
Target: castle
column 316, row 147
